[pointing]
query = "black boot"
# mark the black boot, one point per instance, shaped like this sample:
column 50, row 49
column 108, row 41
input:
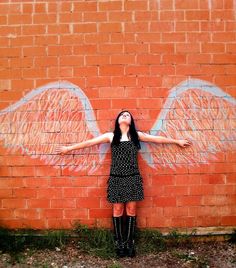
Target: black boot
column 130, row 236
column 118, row 236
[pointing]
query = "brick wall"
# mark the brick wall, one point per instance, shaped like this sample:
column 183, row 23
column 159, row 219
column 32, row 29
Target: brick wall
column 122, row 55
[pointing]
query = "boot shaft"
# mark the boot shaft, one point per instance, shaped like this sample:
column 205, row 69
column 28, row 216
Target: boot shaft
column 118, row 236
column 130, row 236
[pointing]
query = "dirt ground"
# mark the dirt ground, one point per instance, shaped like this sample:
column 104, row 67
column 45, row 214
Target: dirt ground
column 207, row 254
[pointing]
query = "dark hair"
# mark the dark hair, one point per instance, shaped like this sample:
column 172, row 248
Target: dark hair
column 132, row 132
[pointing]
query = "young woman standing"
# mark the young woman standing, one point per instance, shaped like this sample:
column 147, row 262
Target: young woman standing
column 125, row 186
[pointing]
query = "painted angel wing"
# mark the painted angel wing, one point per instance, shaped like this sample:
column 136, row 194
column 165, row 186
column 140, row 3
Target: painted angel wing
column 57, row 113
column 200, row 112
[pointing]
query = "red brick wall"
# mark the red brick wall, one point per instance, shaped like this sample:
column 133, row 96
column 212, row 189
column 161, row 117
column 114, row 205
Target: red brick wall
column 122, row 54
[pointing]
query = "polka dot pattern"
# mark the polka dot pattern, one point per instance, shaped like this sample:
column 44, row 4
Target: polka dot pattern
column 125, row 181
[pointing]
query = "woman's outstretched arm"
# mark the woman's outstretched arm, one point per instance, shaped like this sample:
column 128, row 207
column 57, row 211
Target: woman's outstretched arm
column 100, row 139
column 160, row 139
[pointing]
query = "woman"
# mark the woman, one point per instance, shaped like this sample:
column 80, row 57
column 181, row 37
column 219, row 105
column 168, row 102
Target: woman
column 125, row 182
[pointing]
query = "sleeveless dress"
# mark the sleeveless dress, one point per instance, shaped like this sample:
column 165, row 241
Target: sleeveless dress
column 125, row 182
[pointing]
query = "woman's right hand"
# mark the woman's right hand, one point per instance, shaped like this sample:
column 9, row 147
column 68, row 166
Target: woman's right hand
column 61, row 149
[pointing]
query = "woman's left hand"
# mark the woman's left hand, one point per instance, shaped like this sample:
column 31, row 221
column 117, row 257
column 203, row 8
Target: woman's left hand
column 184, row 143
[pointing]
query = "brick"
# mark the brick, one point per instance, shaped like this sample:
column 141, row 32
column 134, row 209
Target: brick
column 63, row 203
column 75, row 192
column 231, row 178
column 157, row 221
column 93, row 17
column 85, row 71
column 124, row 37
column 213, row 179
column 183, row 222
column 60, row 29
column 38, row 203
column 176, row 190
column 88, row 202
column 6, row 213
column 224, row 189
column 84, row 182
column 189, row 201
column 162, row 180
column 40, row 7
column 19, row 19
column 175, row 211
column 123, row 81
column 110, row 27
column 46, row 171
column 52, row 213
column 6, row 193
column 26, row 214
column 97, row 192
column 23, row 171
column 223, row 37
column 164, row 201
column 113, row 70
column 136, row 48
column 135, row 5
column 148, row 37
column 100, row 213
column 44, row 18
column 177, row 15
column 60, row 50
column 98, row 81
column 174, row 59
column 150, row 103
column 173, row 37
column 95, row 38
column 13, row 203
column 110, row 49
column 33, row 29
column 85, row 49
column 201, row 190
column 228, row 220
column 46, row 61
column 49, row 193
column 122, row 59
column 76, row 17
column 59, row 223
column 138, row 27
column 75, row 213
column 213, row 48
column 24, row 192
column 218, row 200
column 85, row 28
column 197, row 15
column 97, row 60
column 11, row 182
column 120, row 16
column 185, row 4
column 85, row 6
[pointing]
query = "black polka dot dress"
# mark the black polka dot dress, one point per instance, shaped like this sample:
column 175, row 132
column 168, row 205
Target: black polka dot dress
column 125, row 181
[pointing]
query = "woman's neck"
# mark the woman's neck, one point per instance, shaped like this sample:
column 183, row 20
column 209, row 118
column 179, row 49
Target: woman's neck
column 124, row 132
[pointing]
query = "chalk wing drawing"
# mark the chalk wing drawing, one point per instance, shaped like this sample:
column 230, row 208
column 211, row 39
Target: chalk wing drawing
column 200, row 112
column 60, row 113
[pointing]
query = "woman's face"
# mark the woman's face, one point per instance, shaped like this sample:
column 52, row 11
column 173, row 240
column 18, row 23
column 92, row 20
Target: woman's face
column 125, row 117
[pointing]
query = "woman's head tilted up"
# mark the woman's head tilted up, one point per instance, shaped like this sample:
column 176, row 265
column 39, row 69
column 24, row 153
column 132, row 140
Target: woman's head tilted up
column 124, row 120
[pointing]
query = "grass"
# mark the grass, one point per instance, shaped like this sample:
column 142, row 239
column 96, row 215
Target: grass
column 15, row 242
column 94, row 241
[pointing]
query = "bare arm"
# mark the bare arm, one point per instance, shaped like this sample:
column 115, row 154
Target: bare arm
column 160, row 139
column 97, row 140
